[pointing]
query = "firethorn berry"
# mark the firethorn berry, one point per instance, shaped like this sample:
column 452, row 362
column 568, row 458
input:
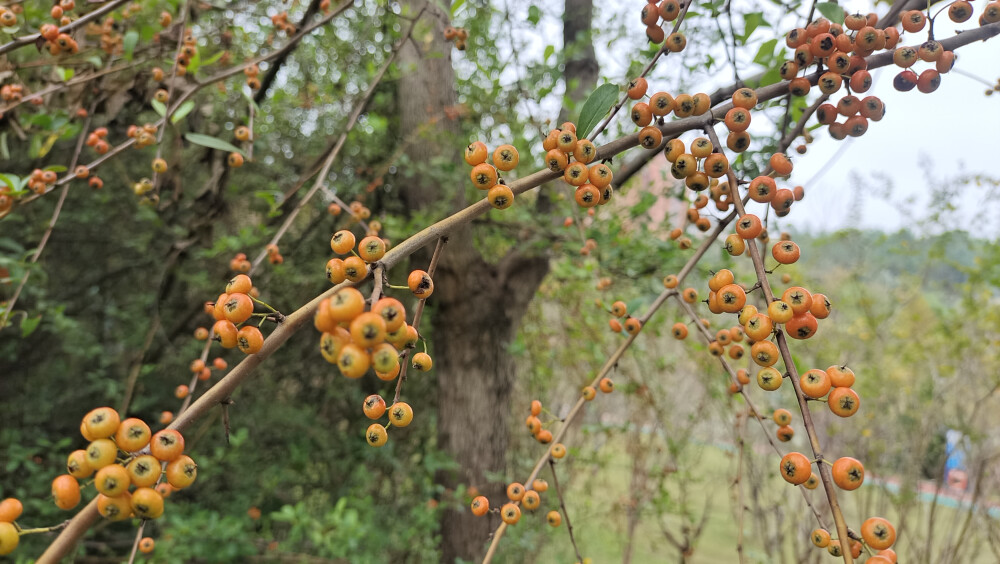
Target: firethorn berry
column 785, row 433
column 536, row 408
column 238, row 308
column 762, row 189
column 505, row 157
column 400, row 414
column 342, row 242
column 844, row 402
column 815, row 383
column 556, row 160
column 779, row 311
column 534, row 424
column 385, row 358
column 722, row 336
column 66, row 491
column 841, row 376
column 181, row 472
column 764, row 353
column 731, row 298
column 759, row 326
column 745, row 98
column 554, row 518
column 500, row 196
column 878, row 533
column 420, row 283
column 946, row 62
column 480, row 506
column 661, row 104
column 368, row 329
column 799, row 298
column 812, row 483
column 353, row 361
column 650, row 137
column 132, row 435
column 848, row 473
column 737, row 119
column 738, row 141
column 167, row 445
column 889, row 555
column 606, row 385
column 181, row 392
column 335, row 271
column 10, row 509
column 780, row 163
column 619, row 309
column 689, row 295
column 566, row 141
column 782, row 416
column 144, row 470
column 116, row 508
column 392, row 312
column 249, row 339
column 345, row 305
column 928, row 81
column 376, row 435
column 829, row 82
column 654, row 33
column 558, row 450
column 510, row 513
column 515, row 491
column 234, row 160
column 476, row 153
column 531, row 500
column 100, row 453
column 374, row 406
column 422, row 362
column 820, row 538
column 355, row 269
column 112, row 480
column 785, row 252
column 632, row 326
column 675, row 42
column 585, row 151
column 589, row 393
column 734, row 245
column 820, row 308
column 795, row 468
column 637, row 88
column 576, row 174
column 102, row 422
column 801, row 326
column 147, row 544
column 147, row 503
column 77, row 465
column 227, row 333
column 913, row 20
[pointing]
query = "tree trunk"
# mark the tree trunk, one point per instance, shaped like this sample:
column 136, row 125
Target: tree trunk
column 478, row 304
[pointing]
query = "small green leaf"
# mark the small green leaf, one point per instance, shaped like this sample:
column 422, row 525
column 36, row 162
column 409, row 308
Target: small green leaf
column 831, row 11
column 4, row 149
column 29, row 324
column 12, row 30
column 10, row 180
column 766, row 52
column 455, row 6
column 595, row 108
column 751, row 22
column 66, row 74
column 182, row 111
column 549, row 51
column 772, row 76
column 96, row 61
column 212, row 142
column 128, row 44
column 213, row 59
column 159, row 107
column 56, row 168
column 534, row 15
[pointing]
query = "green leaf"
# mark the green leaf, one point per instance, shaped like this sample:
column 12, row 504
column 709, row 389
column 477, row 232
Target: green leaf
column 4, row 149
column 534, row 15
column 182, row 111
column 549, row 51
column 772, row 76
column 96, row 61
column 212, row 142
column 213, row 59
column 595, row 108
column 29, row 324
column 766, row 52
column 831, row 11
column 56, row 168
column 128, row 44
column 455, row 6
column 66, row 74
column 159, row 107
column 10, row 180
column 751, row 22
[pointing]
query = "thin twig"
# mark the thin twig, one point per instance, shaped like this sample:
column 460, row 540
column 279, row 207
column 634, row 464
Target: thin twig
column 417, row 313
column 562, row 505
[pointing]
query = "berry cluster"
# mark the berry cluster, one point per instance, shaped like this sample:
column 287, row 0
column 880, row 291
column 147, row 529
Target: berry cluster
column 667, row 11
column 457, row 35
column 231, row 310
column 133, row 471
column 593, row 183
column 485, row 176
column 518, row 494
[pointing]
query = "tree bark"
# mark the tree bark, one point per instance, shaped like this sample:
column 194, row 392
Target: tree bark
column 478, row 303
